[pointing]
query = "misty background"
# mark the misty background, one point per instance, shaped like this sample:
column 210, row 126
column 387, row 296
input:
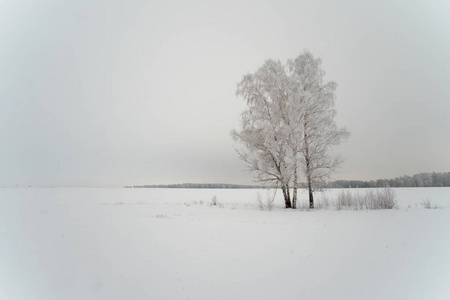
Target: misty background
column 120, row 93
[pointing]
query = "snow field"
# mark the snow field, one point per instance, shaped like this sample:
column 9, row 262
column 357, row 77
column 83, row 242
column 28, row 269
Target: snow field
column 171, row 244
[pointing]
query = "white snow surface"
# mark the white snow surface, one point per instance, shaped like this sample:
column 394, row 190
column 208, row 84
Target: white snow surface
column 171, row 244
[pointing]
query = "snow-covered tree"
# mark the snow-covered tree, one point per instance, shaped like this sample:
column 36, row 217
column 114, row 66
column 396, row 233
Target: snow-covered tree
column 262, row 136
column 314, row 120
column 288, row 127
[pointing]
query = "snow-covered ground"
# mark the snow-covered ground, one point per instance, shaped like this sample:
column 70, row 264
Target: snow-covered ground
column 171, row 244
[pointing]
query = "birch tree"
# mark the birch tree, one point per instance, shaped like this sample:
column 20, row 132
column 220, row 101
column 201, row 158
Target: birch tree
column 262, row 136
column 288, row 128
column 315, row 120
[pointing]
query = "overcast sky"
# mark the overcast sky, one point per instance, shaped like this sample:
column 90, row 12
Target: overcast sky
column 117, row 93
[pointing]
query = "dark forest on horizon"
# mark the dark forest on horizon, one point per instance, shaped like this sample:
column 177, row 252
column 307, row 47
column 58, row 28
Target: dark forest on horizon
column 418, row 180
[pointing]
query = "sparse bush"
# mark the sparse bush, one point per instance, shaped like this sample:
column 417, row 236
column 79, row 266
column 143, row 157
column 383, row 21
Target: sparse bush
column 268, row 205
column 426, row 203
column 214, row 200
column 348, row 199
column 382, row 199
column 370, row 200
column 386, row 198
column 344, row 200
column 360, row 201
column 161, row 216
column 322, row 202
column 337, row 204
column 303, row 205
column 259, row 201
column 318, row 204
column 325, row 201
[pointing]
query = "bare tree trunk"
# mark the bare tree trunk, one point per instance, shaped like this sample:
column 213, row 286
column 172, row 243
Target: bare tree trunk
column 286, row 195
column 294, row 197
column 288, row 192
column 311, row 197
column 308, row 178
column 308, row 169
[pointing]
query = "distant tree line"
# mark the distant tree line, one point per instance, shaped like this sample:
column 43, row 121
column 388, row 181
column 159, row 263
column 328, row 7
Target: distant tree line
column 197, row 186
column 418, row 180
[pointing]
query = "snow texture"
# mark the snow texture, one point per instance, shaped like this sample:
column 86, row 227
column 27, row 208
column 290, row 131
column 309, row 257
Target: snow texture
column 172, row 244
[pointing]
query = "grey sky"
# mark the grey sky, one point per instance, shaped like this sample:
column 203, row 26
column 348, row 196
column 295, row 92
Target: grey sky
column 139, row 92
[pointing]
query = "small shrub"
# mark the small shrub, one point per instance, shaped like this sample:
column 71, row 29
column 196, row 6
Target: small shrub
column 161, row 216
column 381, row 199
column 318, row 204
column 214, row 200
column 344, row 200
column 259, row 201
column 325, row 202
column 348, row 199
column 426, row 203
column 321, row 203
column 267, row 205
column 337, row 204
column 386, row 198
column 360, row 201
column 303, row 205
column 370, row 199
